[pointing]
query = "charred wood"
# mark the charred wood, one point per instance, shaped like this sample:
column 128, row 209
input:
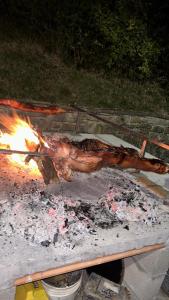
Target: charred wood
column 46, row 168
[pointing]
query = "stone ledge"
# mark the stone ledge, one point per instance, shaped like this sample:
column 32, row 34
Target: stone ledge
column 157, row 189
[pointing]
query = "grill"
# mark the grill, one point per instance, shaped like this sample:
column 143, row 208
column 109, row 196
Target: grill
column 59, row 228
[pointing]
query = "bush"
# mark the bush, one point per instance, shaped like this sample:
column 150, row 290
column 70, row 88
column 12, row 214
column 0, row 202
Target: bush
column 101, row 35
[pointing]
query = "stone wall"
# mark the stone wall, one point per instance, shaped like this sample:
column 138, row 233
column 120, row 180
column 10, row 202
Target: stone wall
column 149, row 126
column 74, row 122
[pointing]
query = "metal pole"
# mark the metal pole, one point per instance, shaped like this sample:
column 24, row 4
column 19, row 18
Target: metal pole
column 123, row 129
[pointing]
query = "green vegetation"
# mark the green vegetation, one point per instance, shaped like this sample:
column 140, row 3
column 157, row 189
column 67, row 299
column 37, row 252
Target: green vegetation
column 28, row 71
column 129, row 37
column 110, row 54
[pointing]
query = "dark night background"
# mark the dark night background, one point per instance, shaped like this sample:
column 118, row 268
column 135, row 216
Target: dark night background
column 117, row 39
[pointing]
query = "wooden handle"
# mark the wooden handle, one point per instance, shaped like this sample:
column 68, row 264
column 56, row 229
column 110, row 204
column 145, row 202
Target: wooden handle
column 85, row 264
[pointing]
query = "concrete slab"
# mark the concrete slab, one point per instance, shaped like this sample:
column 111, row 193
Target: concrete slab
column 20, row 256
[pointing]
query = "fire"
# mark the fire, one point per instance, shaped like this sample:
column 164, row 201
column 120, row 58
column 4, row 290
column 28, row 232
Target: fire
column 19, row 135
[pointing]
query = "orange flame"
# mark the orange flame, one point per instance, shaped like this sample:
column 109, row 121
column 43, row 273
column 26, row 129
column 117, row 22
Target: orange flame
column 19, row 134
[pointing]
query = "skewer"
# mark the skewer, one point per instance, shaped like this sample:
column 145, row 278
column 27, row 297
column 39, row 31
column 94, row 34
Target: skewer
column 10, row 151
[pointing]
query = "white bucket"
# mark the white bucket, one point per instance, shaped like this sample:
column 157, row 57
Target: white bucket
column 62, row 293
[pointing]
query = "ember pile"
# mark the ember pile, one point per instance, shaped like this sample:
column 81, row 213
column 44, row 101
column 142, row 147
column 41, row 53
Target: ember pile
column 72, row 211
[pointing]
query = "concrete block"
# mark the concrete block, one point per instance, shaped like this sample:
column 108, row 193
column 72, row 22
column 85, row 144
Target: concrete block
column 153, row 263
column 7, row 294
column 141, row 284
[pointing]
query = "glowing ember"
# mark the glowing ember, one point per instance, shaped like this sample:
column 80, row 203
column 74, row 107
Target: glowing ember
column 19, row 135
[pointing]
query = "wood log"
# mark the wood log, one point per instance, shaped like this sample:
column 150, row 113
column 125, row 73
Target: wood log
column 46, row 168
column 44, row 163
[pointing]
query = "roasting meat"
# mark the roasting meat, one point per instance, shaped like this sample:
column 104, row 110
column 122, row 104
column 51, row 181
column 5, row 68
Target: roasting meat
column 91, row 155
column 30, row 107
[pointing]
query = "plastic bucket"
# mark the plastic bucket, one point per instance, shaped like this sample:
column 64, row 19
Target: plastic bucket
column 62, row 293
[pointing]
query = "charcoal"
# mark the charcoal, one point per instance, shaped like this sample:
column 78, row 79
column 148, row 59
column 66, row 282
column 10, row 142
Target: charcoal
column 45, row 243
column 55, row 238
column 126, row 227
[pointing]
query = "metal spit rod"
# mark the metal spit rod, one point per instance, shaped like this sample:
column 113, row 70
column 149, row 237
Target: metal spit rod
column 119, row 127
column 9, row 151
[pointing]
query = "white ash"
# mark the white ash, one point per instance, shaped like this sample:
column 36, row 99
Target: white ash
column 131, row 205
column 74, row 210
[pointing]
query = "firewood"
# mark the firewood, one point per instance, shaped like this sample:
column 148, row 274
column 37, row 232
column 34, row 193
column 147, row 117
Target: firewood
column 46, row 168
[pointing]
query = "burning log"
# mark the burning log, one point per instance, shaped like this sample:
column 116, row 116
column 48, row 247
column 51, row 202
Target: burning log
column 46, row 168
column 22, row 138
column 44, row 163
column 30, row 107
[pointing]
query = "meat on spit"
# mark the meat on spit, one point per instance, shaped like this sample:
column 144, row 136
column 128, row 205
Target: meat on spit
column 27, row 107
column 91, row 155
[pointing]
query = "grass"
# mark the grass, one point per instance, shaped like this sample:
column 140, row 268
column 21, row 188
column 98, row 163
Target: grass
column 28, row 71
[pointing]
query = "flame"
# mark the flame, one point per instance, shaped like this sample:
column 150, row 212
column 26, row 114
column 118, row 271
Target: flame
column 19, row 135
